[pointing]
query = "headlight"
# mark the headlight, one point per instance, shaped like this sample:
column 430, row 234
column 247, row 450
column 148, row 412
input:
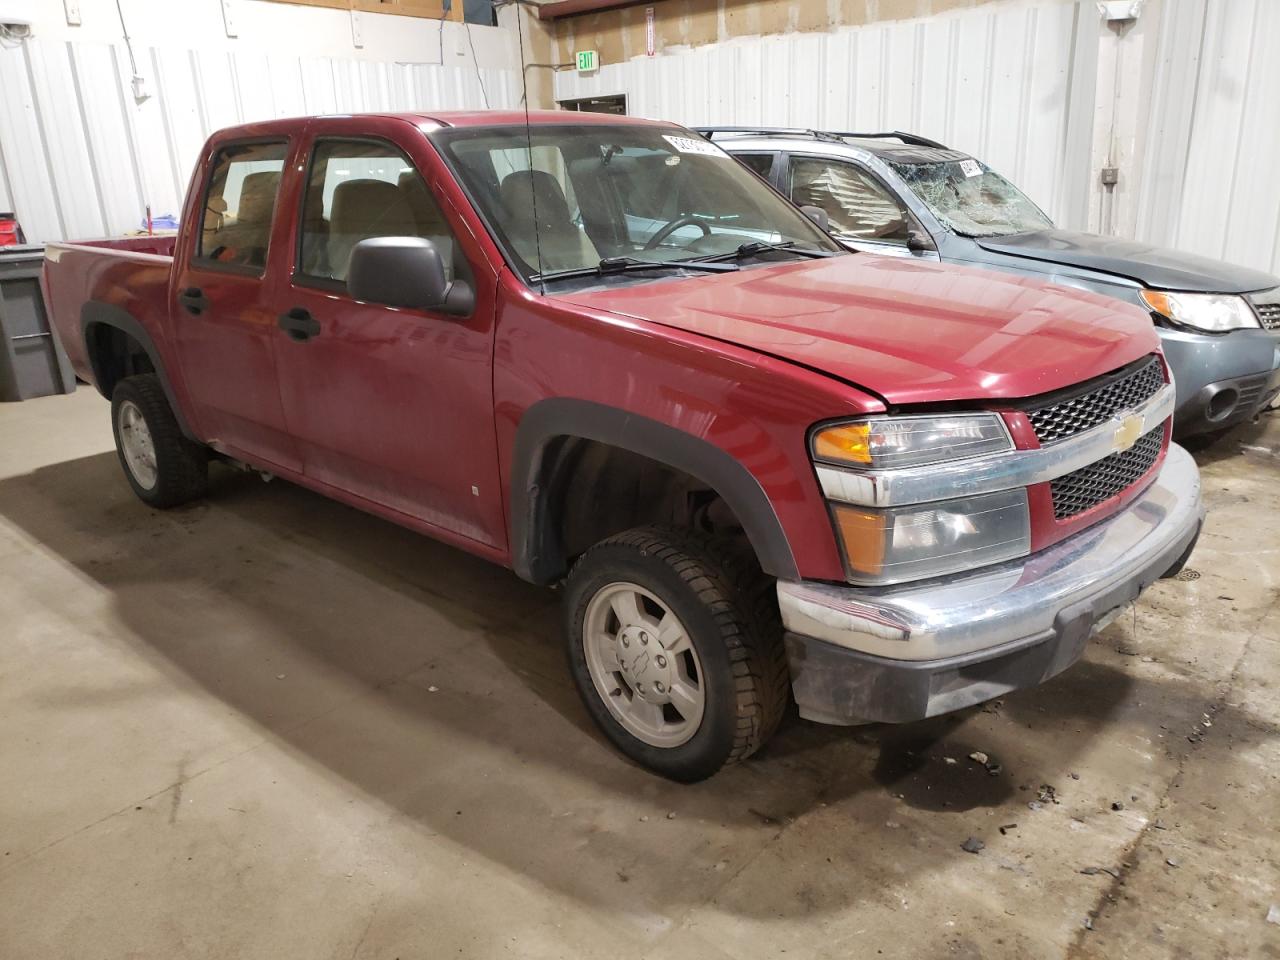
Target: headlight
column 881, row 444
column 1211, row 312
column 929, row 540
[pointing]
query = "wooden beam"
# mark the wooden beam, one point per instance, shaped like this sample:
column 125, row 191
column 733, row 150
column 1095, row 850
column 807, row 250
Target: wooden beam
column 426, row 9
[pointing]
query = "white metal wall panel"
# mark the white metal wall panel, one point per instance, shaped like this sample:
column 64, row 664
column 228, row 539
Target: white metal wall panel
column 1213, row 144
column 1010, row 82
column 78, row 158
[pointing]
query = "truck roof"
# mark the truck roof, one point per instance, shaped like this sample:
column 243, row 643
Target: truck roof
column 448, row 118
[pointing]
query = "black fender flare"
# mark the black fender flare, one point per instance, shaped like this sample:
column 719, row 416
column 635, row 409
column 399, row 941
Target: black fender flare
column 95, row 313
column 535, row 549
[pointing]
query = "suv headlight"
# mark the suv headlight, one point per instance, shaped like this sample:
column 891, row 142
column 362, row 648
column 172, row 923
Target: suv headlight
column 1211, row 312
column 892, row 443
column 883, row 546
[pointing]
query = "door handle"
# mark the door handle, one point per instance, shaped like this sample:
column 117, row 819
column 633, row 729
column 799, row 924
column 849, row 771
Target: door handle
column 299, row 324
column 193, row 300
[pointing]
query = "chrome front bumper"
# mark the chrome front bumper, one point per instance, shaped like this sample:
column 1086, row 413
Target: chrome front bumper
column 903, row 653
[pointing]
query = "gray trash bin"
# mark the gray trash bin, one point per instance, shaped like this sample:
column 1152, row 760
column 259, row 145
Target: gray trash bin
column 32, row 362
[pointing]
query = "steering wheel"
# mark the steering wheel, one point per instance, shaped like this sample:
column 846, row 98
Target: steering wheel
column 688, row 220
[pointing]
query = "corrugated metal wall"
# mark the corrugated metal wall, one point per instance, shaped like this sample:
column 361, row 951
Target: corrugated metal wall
column 1209, row 180
column 78, row 158
column 1012, row 83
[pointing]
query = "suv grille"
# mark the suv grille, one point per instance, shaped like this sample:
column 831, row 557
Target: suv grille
column 1269, row 314
column 1099, row 401
column 1089, row 486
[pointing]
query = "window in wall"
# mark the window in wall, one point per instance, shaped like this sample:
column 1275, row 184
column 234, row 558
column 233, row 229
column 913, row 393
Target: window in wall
column 359, row 189
column 859, row 208
column 238, row 204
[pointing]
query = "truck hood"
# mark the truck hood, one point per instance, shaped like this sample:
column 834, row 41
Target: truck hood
column 1158, row 267
column 909, row 331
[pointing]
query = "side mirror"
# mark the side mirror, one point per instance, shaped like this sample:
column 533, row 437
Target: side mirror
column 818, row 216
column 918, row 241
column 405, row 272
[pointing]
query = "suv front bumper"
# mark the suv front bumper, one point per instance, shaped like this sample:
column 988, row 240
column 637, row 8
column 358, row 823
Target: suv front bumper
column 898, row 654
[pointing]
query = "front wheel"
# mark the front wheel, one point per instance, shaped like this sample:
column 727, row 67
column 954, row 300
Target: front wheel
column 676, row 649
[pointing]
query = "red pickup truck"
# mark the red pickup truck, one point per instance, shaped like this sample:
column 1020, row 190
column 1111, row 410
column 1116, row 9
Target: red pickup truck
column 600, row 352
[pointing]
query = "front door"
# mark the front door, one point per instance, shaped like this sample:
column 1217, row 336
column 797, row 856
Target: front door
column 394, row 406
column 862, row 213
column 223, row 322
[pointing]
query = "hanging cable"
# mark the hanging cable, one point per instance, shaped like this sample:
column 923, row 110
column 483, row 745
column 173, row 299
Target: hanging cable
column 475, row 62
column 128, row 44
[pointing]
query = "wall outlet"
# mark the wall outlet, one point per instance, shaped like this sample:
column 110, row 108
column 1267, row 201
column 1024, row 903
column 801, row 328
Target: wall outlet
column 72, row 8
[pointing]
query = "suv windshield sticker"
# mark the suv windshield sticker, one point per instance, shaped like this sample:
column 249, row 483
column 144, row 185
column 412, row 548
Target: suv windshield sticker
column 689, row 145
column 971, row 168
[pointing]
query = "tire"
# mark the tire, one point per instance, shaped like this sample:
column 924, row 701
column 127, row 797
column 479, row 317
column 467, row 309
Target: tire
column 731, row 628
column 164, row 468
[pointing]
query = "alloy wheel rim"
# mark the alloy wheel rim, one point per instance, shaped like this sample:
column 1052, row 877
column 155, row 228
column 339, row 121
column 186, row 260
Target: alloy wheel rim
column 644, row 665
column 137, row 445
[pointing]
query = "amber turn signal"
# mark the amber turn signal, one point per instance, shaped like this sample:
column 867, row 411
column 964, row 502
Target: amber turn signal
column 850, row 442
column 862, row 533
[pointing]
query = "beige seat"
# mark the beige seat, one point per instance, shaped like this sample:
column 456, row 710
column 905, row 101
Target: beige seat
column 244, row 239
column 364, row 209
column 562, row 244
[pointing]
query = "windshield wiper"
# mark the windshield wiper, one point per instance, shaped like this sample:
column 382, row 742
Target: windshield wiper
column 760, row 246
column 627, row 264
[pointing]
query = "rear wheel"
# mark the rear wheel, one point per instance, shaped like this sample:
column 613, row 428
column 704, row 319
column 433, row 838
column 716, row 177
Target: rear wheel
column 163, row 467
column 676, row 648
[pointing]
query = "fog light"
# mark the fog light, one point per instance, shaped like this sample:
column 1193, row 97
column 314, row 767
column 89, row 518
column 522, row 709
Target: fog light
column 916, row 542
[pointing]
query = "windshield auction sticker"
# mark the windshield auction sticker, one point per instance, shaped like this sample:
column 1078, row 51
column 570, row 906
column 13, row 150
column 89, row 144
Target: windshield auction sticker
column 689, row 145
column 970, row 168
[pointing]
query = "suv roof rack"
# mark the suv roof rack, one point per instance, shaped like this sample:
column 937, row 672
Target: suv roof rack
column 907, row 138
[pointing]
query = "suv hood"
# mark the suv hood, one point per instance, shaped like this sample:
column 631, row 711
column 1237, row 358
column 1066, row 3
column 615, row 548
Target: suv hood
column 1158, row 267
column 909, row 331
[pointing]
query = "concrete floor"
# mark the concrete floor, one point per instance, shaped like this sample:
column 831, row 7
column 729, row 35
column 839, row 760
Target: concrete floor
column 269, row 726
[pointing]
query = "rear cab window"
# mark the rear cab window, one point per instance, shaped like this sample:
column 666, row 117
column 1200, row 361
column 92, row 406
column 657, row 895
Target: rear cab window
column 239, row 204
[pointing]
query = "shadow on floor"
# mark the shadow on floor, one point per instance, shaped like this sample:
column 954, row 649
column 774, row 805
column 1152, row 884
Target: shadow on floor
column 359, row 608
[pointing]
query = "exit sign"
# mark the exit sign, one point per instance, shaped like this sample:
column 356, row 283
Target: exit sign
column 588, row 60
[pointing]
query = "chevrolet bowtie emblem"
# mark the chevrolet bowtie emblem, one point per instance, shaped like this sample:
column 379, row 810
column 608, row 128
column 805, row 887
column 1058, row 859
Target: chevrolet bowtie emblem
column 1127, row 433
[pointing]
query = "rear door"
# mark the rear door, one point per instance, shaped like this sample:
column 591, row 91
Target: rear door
column 391, row 405
column 224, row 321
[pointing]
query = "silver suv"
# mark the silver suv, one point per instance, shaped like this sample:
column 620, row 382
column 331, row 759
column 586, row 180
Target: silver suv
column 902, row 195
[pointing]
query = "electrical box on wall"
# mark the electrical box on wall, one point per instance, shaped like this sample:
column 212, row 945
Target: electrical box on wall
column 72, row 9
column 229, row 17
column 357, row 29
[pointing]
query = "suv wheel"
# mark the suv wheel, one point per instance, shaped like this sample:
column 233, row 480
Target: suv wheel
column 676, row 648
column 163, row 467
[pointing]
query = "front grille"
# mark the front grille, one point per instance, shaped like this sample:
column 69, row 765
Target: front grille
column 1089, row 486
column 1269, row 314
column 1096, row 402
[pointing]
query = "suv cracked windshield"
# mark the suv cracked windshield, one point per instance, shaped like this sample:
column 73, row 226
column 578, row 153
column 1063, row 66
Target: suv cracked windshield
column 971, row 199
column 623, row 199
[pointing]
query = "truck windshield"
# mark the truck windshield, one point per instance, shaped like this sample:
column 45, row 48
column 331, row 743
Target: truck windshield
column 602, row 192
column 971, row 199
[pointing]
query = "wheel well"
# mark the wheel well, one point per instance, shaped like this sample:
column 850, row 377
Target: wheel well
column 114, row 355
column 593, row 490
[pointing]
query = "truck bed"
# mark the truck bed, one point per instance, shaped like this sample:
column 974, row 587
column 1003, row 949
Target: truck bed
column 131, row 273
